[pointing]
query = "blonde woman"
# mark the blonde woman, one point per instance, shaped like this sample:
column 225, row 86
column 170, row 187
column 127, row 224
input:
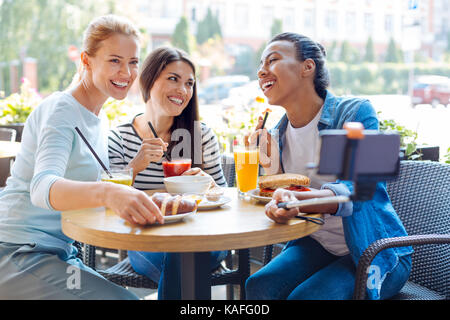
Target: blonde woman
column 55, row 171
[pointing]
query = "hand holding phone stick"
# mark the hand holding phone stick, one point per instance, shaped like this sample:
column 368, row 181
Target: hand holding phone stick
column 312, row 202
column 364, row 157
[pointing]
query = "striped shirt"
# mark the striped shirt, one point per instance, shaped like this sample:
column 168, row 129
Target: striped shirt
column 124, row 143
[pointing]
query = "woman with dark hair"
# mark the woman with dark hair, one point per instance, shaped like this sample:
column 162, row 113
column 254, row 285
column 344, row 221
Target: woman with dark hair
column 169, row 90
column 293, row 75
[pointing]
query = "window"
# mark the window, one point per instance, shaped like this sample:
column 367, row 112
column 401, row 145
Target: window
column 389, row 23
column 267, row 18
column 194, row 14
column 289, row 19
column 310, row 20
column 331, row 20
column 350, row 22
column 368, row 23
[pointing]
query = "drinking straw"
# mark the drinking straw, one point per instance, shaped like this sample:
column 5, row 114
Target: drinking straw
column 156, row 136
column 94, row 153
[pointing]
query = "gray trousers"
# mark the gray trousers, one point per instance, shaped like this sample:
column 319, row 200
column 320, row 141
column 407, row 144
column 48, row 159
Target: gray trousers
column 36, row 272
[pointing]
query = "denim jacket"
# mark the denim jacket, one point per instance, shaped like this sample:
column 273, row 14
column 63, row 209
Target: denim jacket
column 363, row 222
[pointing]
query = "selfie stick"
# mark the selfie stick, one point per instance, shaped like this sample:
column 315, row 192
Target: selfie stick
column 364, row 185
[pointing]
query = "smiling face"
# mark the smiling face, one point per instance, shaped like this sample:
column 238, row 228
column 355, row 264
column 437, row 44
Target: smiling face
column 114, row 66
column 173, row 89
column 281, row 74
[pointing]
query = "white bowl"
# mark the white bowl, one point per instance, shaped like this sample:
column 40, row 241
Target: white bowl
column 185, row 184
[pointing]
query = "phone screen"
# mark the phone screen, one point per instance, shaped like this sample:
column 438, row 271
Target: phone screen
column 376, row 155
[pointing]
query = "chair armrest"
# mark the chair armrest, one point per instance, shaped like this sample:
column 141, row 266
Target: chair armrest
column 377, row 246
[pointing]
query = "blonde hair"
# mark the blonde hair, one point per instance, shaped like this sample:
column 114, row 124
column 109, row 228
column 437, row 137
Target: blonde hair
column 100, row 29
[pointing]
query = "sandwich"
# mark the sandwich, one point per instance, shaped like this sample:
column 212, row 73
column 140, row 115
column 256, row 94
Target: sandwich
column 289, row 181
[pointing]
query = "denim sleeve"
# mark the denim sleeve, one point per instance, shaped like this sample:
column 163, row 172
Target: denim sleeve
column 341, row 189
column 367, row 115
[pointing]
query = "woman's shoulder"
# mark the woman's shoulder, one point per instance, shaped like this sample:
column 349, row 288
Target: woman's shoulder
column 348, row 105
column 360, row 109
column 353, row 102
column 205, row 129
column 57, row 108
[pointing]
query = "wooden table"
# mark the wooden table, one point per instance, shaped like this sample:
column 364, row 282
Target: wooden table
column 236, row 225
column 9, row 149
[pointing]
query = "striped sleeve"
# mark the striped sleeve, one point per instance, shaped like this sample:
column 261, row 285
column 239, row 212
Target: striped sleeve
column 212, row 164
column 116, row 150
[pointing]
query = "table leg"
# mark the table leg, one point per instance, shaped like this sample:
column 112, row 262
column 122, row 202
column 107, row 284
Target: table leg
column 196, row 276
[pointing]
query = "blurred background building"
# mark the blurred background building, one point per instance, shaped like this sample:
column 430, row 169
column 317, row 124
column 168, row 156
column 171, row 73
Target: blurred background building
column 249, row 22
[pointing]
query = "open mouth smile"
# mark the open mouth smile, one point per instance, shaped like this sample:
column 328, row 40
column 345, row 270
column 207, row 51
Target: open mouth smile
column 267, row 85
column 177, row 101
column 120, row 84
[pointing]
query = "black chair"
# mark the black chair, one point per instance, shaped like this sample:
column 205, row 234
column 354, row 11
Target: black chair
column 421, row 197
column 123, row 274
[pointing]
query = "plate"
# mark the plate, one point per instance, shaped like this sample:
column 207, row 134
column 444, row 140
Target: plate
column 254, row 194
column 205, row 204
column 177, row 217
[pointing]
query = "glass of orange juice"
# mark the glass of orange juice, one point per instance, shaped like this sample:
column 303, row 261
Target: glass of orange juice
column 121, row 176
column 246, row 162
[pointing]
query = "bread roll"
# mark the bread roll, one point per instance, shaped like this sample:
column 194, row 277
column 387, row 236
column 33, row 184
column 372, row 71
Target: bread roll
column 171, row 205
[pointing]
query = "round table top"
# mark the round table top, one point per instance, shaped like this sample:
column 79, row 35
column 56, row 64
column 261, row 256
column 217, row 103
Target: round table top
column 9, row 149
column 241, row 223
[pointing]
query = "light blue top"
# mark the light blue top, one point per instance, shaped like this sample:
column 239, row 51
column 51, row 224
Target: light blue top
column 363, row 222
column 50, row 149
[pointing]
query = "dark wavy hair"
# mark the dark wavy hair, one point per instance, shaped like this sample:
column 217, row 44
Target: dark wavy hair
column 152, row 67
column 309, row 49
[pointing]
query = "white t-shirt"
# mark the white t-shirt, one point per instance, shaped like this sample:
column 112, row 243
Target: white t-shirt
column 302, row 146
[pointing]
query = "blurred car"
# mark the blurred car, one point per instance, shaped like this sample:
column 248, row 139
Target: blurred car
column 432, row 90
column 218, row 88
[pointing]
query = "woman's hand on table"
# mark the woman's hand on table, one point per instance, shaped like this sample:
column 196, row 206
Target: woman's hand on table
column 269, row 156
column 282, row 195
column 132, row 205
column 151, row 150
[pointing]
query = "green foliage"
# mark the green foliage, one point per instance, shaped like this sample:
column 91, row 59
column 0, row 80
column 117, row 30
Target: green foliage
column 380, row 78
column 17, row 107
column 408, row 138
column 370, row 51
column 237, row 122
column 447, row 156
column 393, row 54
column 118, row 110
column 44, row 29
column 276, row 28
column 332, row 52
column 181, row 37
column 208, row 28
column 244, row 63
column 348, row 53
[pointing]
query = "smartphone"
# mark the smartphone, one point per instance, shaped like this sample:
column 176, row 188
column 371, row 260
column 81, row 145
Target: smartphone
column 376, row 157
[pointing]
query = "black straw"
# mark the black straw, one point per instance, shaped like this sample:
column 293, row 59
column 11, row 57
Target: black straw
column 93, row 152
column 262, row 127
column 156, row 136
